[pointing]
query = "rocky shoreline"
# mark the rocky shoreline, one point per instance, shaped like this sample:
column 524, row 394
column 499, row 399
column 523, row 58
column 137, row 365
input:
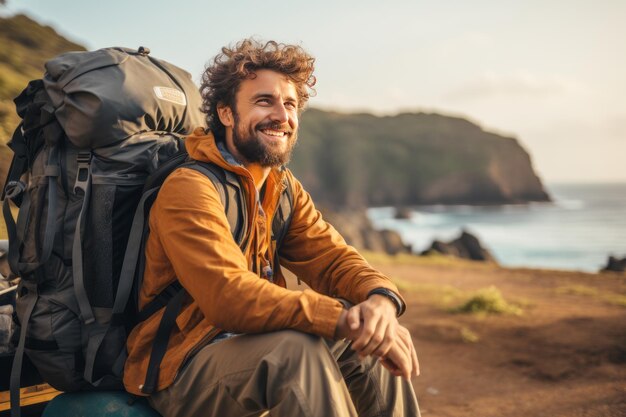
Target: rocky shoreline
column 358, row 230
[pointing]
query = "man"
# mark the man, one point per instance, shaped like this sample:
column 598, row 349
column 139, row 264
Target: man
column 243, row 343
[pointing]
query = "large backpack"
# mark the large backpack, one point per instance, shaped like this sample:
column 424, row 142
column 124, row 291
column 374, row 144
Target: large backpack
column 97, row 131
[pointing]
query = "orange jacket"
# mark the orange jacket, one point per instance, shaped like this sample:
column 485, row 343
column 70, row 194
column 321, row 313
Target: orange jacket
column 190, row 239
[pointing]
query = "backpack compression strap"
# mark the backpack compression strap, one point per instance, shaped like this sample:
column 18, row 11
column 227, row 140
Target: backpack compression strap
column 16, row 368
column 15, row 190
column 83, row 183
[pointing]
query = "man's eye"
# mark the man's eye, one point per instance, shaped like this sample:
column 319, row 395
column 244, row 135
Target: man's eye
column 290, row 105
column 263, row 101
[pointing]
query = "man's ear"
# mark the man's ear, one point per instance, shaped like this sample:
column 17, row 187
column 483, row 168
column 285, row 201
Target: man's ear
column 226, row 115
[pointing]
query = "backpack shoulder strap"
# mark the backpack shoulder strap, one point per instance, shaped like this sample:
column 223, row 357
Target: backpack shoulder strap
column 229, row 188
column 284, row 212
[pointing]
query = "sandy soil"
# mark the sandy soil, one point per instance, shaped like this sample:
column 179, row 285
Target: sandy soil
column 565, row 355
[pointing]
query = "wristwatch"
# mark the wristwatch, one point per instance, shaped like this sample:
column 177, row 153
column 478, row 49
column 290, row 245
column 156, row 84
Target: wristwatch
column 397, row 301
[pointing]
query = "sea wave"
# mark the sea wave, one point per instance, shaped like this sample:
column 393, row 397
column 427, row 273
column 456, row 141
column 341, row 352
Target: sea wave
column 577, row 231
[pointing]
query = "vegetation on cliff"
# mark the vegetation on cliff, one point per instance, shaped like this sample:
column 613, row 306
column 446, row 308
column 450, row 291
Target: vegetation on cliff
column 26, row 45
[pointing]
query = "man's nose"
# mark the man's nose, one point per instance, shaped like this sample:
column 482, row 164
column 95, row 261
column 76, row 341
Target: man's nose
column 280, row 113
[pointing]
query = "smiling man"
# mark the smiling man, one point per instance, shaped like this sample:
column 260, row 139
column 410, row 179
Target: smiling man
column 243, row 343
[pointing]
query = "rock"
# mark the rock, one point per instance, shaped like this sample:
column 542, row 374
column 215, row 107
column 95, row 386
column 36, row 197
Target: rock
column 403, row 213
column 373, row 240
column 393, row 242
column 615, row 265
column 358, row 231
column 348, row 224
column 466, row 246
column 474, row 248
column 444, row 248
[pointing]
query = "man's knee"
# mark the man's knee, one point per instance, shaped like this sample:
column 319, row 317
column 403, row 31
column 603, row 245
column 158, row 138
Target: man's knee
column 300, row 353
column 294, row 343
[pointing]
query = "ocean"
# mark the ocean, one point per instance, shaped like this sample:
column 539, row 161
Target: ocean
column 577, row 231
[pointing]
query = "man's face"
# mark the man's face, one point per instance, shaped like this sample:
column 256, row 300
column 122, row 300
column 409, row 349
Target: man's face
column 265, row 119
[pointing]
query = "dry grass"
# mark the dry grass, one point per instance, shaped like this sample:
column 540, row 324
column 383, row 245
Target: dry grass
column 609, row 297
column 442, row 295
column 434, row 259
column 468, row 336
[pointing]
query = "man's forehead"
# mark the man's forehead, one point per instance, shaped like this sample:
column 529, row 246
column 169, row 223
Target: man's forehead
column 269, row 82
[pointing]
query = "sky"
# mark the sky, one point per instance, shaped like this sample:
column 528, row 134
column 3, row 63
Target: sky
column 551, row 73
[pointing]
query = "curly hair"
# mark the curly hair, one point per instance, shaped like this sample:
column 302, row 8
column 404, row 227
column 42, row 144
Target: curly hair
column 222, row 78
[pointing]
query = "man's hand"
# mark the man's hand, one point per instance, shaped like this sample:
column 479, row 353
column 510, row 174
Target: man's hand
column 401, row 360
column 376, row 319
column 370, row 325
column 374, row 330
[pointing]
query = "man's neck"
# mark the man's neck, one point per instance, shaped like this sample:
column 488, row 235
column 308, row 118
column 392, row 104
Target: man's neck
column 259, row 174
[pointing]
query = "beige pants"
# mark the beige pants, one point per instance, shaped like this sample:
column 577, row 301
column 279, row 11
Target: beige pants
column 289, row 373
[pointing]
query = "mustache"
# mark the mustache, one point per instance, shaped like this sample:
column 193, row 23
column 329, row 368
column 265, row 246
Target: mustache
column 275, row 126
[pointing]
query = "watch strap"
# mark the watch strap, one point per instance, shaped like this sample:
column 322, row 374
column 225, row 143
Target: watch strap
column 397, row 301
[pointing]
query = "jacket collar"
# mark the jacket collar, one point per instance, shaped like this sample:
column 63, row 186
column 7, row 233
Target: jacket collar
column 203, row 146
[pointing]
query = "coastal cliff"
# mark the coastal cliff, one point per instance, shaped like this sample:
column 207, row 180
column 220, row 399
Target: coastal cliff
column 361, row 160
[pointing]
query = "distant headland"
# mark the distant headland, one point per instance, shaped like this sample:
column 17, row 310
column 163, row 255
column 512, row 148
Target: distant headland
column 361, row 160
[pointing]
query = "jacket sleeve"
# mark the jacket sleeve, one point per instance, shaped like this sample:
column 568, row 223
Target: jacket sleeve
column 314, row 251
column 191, row 226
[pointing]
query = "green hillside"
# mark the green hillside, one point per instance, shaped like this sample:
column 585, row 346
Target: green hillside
column 24, row 47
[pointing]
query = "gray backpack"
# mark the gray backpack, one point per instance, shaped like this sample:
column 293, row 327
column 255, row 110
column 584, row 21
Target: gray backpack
column 100, row 134
column 93, row 130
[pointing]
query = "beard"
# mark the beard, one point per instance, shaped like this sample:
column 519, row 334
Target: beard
column 255, row 150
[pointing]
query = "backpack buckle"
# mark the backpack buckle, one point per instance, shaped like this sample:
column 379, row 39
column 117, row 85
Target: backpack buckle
column 144, row 51
column 14, row 189
column 83, row 173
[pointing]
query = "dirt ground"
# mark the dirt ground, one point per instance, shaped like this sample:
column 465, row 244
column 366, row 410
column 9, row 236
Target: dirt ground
column 564, row 355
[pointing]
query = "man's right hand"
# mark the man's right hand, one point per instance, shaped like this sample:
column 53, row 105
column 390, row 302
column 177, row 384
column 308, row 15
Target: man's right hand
column 400, row 360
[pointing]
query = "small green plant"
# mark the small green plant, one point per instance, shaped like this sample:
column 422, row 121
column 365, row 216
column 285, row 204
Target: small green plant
column 488, row 301
column 468, row 336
